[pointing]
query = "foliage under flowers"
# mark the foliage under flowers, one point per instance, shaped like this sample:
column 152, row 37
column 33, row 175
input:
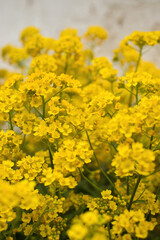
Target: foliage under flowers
column 79, row 145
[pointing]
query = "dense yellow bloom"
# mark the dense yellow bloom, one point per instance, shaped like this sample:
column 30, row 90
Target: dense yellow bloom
column 125, row 53
column 81, row 227
column 38, row 84
column 101, row 62
column 133, row 222
column 142, row 80
column 17, row 195
column 34, row 45
column 25, row 121
column 74, row 154
column 44, row 63
column 10, row 99
column 107, row 195
column 102, row 101
column 144, row 38
column 151, row 202
column 109, row 74
column 133, row 159
column 69, row 31
column 14, row 55
column 9, row 145
column 106, row 204
column 68, row 44
column 28, row 32
column 30, row 166
column 14, row 80
column 79, row 141
column 96, row 33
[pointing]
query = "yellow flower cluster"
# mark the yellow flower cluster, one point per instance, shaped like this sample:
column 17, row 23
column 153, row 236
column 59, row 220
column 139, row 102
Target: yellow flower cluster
column 125, row 54
column 106, row 204
column 79, row 142
column 10, row 145
column 144, row 38
column 30, row 166
column 143, row 80
column 21, row 194
column 44, row 62
column 134, row 158
column 95, row 33
column 152, row 203
column 133, row 223
column 73, row 155
column 14, row 55
column 88, row 226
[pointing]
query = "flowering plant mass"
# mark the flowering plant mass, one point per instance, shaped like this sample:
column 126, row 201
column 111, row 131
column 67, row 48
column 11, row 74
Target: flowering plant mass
column 79, row 144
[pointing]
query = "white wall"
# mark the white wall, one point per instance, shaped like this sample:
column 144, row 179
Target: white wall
column 119, row 17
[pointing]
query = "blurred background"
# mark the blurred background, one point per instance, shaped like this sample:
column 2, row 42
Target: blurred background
column 118, row 17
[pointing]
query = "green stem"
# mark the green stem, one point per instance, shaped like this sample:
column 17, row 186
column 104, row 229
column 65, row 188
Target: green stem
column 24, row 138
column 151, row 139
column 134, row 192
column 90, row 171
column 136, row 69
column 40, row 114
column 43, row 117
column 129, row 91
column 55, row 94
column 43, row 107
column 127, row 185
column 137, row 94
column 107, row 113
column 112, row 144
column 89, row 181
column 10, row 121
column 139, row 59
column 99, row 165
column 148, row 217
column 109, row 231
column 130, row 98
column 139, row 196
column 156, row 147
column 50, row 155
column 112, row 87
column 66, row 65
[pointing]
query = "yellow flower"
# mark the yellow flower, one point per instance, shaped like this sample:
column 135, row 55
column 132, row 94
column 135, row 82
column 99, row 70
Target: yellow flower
column 77, row 232
column 28, row 32
column 44, row 63
column 133, row 159
column 106, row 194
column 144, row 38
column 14, row 55
column 96, row 33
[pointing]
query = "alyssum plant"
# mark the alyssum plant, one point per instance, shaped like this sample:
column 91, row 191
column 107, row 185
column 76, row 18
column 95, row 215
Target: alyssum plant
column 79, row 146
